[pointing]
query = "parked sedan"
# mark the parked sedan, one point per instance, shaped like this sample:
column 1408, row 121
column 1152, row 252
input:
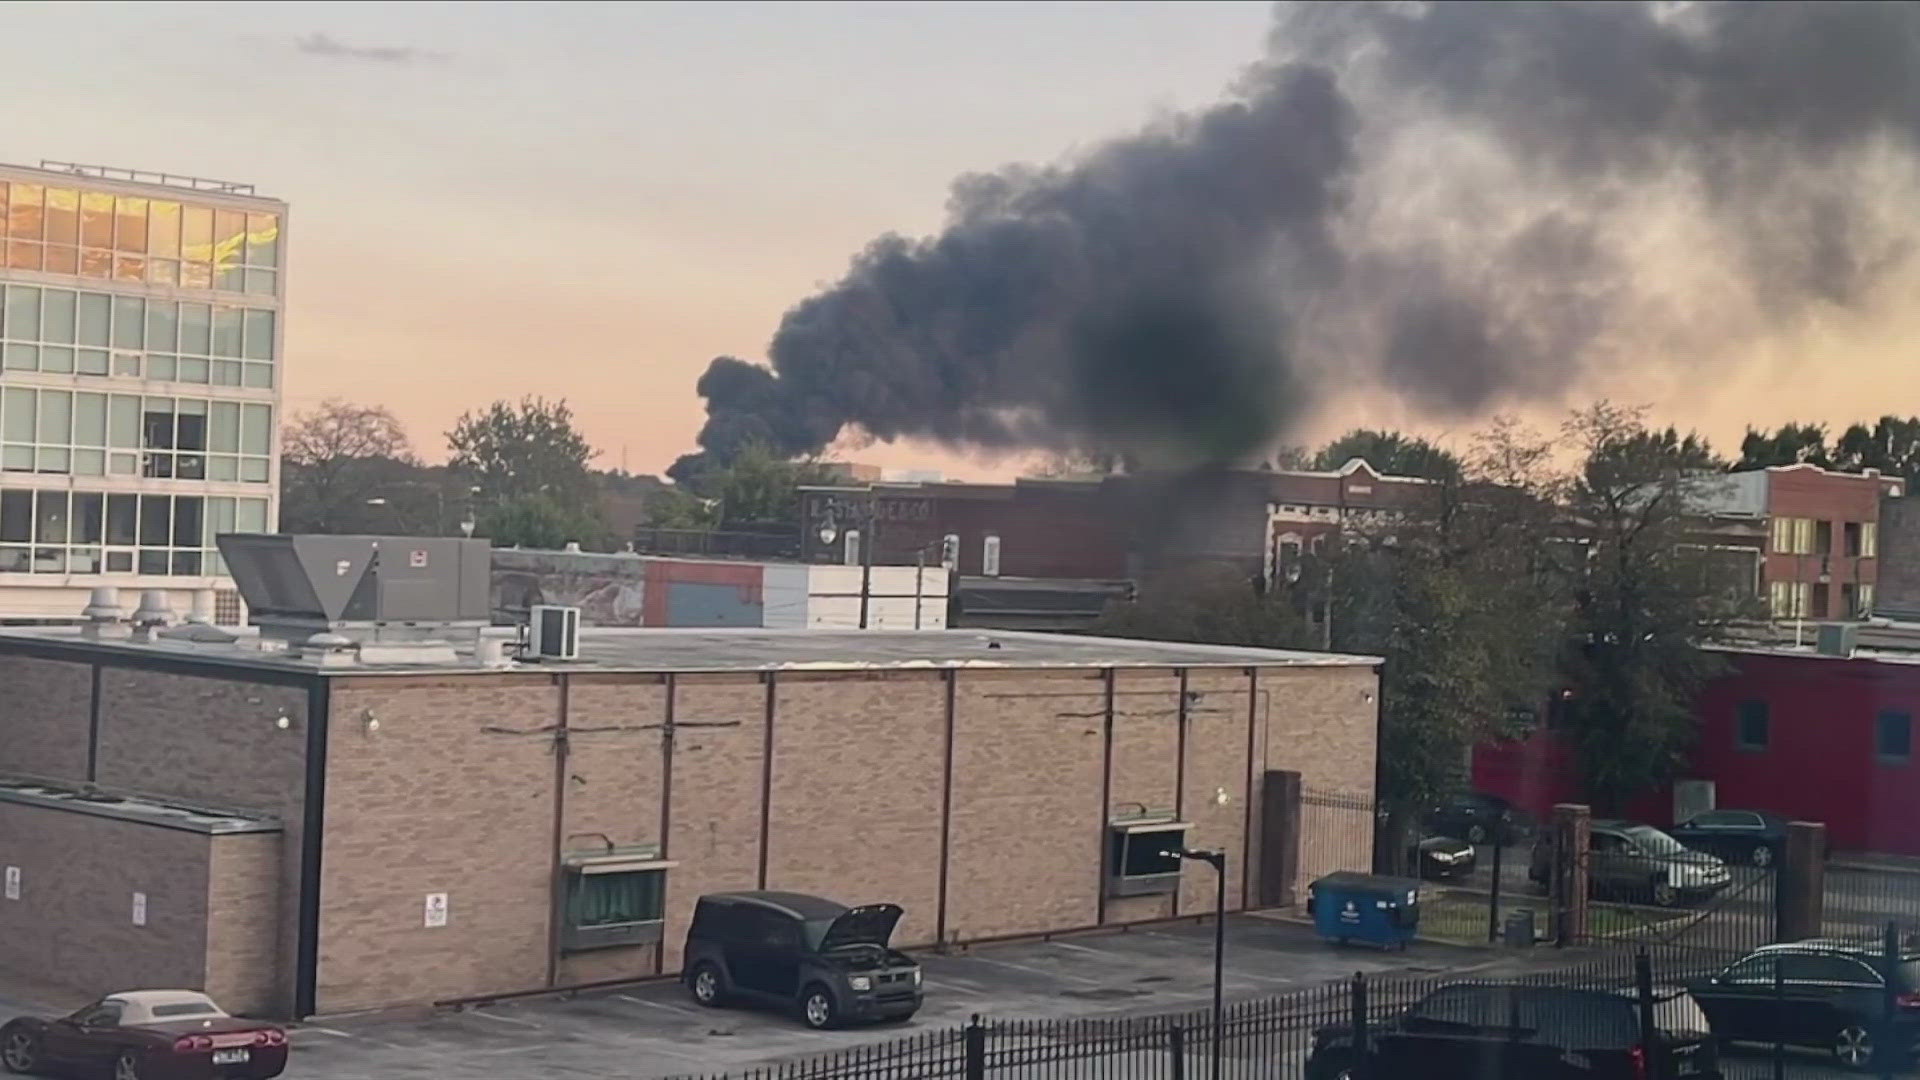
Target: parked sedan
column 1747, row 836
column 1438, row 858
column 1631, row 861
column 1830, row 995
column 146, row 1035
column 1476, row 817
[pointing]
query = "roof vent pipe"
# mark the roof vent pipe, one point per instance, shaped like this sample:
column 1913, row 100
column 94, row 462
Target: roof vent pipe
column 103, row 613
column 573, row 547
column 154, row 611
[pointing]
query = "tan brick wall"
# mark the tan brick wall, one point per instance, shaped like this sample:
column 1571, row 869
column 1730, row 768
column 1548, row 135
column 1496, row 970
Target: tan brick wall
column 714, row 832
column 244, row 896
column 1146, row 764
column 44, row 717
column 214, row 741
column 614, row 766
column 453, row 794
column 1216, row 768
column 858, row 762
column 1028, row 831
column 73, row 924
column 1321, row 722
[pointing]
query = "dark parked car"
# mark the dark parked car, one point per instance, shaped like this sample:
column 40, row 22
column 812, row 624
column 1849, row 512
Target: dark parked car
column 825, row 960
column 1440, row 858
column 1832, row 996
column 146, row 1035
column 1746, row 836
column 1494, row 1032
column 1477, row 818
column 1630, row 861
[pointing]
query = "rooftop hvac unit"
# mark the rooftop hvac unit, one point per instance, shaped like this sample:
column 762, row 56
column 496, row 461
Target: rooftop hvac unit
column 556, row 632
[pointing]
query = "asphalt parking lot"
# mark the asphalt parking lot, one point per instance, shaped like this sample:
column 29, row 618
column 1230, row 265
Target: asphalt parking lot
column 653, row 1030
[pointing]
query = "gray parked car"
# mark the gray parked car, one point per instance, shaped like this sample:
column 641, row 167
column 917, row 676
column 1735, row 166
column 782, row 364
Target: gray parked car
column 827, row 961
column 1630, row 861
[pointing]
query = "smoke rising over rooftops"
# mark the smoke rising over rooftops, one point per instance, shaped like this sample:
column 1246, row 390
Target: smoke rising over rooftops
column 1465, row 204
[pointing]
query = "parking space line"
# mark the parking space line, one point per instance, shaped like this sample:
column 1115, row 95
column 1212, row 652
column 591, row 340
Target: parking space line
column 1083, row 949
column 498, row 1019
column 677, row 1010
column 1042, row 972
column 959, row 988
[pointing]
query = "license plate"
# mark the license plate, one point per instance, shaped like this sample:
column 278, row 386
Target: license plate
column 230, row 1057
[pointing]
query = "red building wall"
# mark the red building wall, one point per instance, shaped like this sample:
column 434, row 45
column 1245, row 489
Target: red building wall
column 1819, row 763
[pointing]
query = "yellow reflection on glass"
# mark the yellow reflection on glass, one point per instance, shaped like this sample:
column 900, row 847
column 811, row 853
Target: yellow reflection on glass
column 196, row 236
column 3, row 211
column 263, row 240
column 63, row 259
column 130, row 227
column 95, row 263
column 24, row 215
column 63, row 216
column 163, row 230
column 130, row 268
column 96, row 220
column 196, row 275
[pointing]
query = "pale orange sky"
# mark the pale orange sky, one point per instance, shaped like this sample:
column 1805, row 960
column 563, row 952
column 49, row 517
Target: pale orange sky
column 590, row 202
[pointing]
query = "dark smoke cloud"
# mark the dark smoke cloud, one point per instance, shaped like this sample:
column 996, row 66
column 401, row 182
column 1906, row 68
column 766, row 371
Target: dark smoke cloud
column 1466, row 203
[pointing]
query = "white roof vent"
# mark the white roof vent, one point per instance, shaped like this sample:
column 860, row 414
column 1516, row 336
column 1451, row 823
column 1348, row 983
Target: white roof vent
column 154, row 612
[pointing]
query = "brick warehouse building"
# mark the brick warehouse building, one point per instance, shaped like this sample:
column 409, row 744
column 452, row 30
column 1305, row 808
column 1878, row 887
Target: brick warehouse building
column 344, row 825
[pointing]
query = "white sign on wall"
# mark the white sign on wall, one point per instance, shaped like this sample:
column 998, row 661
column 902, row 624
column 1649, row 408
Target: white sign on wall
column 436, row 909
column 139, row 909
column 13, row 883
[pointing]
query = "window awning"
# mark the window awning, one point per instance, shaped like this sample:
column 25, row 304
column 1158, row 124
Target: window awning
column 619, row 862
column 1131, row 827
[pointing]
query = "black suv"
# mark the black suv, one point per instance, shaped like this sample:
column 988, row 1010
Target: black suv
column 1479, row 818
column 826, row 960
column 1832, row 995
column 1630, row 861
column 1501, row 1032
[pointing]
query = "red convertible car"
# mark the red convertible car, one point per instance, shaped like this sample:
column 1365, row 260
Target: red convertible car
column 146, row 1035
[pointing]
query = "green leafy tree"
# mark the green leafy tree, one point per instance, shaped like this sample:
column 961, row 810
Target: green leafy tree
column 759, row 491
column 675, row 508
column 1790, row 444
column 1390, row 453
column 1643, row 600
column 539, row 521
column 516, row 452
column 1891, row 445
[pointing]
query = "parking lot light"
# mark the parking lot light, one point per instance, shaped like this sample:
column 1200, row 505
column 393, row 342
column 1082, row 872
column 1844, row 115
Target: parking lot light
column 1217, row 860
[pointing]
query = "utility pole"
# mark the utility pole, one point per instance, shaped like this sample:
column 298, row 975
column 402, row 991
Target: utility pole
column 868, row 527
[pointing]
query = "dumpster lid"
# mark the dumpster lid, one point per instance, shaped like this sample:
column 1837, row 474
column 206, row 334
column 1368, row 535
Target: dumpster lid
column 1370, row 884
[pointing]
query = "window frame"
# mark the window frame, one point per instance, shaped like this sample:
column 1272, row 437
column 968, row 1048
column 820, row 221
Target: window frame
column 1123, row 833
column 1741, row 716
column 1880, row 729
column 579, row 869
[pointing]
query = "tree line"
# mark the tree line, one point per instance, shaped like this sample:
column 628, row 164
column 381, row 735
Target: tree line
column 1539, row 569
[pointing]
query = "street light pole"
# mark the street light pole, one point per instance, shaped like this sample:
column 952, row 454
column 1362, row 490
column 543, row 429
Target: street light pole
column 1217, row 860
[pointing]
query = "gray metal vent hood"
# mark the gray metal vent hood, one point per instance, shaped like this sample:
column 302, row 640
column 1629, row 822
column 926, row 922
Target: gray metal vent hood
column 384, row 587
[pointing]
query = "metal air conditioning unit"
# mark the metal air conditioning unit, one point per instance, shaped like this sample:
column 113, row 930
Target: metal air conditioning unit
column 555, row 632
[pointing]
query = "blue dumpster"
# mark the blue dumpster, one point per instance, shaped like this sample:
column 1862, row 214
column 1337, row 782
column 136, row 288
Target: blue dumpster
column 1383, row 911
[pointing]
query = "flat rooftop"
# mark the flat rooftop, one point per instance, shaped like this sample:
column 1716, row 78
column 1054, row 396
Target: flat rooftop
column 727, row 650
column 143, row 809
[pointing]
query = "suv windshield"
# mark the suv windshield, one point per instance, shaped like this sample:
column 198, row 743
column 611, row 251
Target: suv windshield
column 1653, row 841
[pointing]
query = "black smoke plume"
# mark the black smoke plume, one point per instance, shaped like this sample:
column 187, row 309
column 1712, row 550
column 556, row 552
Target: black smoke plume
column 1462, row 204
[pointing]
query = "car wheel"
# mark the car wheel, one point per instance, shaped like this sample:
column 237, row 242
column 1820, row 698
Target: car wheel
column 1664, row 894
column 706, row 986
column 1476, row 834
column 127, row 1067
column 20, row 1052
column 1853, row 1047
column 817, row 1008
column 1762, row 855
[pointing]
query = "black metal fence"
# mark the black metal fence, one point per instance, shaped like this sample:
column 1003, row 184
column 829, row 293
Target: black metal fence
column 1260, row 1039
column 717, row 544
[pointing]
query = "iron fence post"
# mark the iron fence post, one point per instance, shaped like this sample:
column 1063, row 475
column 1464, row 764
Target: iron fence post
column 1493, row 900
column 975, row 1042
column 1362, row 1066
column 1889, row 998
column 1779, row 1008
column 1649, row 1033
column 1177, row 1046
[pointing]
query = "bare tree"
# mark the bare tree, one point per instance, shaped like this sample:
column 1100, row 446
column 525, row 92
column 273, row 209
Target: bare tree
column 334, row 459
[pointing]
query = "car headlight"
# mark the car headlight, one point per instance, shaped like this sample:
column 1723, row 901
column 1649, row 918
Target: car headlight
column 916, row 976
column 860, row 982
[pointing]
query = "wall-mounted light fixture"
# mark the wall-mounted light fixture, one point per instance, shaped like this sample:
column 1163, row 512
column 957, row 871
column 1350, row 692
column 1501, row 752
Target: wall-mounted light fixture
column 283, row 721
column 369, row 721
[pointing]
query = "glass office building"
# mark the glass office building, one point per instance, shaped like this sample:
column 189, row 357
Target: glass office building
column 140, row 344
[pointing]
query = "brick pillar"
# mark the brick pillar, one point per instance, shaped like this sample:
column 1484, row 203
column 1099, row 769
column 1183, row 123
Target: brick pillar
column 1279, row 838
column 1572, row 832
column 1800, row 889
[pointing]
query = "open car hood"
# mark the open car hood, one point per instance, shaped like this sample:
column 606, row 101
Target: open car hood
column 869, row 925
